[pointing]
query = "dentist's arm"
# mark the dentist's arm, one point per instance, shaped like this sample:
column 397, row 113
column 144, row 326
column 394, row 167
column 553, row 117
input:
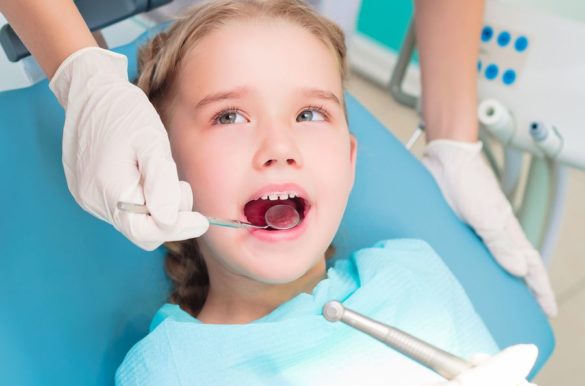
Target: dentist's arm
column 51, row 29
column 447, row 35
column 115, row 147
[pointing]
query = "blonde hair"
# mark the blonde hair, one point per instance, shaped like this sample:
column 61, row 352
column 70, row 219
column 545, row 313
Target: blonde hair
column 158, row 63
column 160, row 59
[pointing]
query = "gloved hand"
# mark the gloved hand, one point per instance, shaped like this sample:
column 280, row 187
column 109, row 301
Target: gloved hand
column 115, row 148
column 471, row 189
column 509, row 367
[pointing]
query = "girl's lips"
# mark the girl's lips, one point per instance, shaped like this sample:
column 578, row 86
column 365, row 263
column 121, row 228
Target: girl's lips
column 284, row 235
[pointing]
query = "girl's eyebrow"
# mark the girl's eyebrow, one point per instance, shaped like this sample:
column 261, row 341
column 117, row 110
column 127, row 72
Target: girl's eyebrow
column 239, row 92
column 322, row 94
column 236, row 93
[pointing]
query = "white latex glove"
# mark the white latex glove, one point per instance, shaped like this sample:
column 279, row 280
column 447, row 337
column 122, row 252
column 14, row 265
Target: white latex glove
column 509, row 367
column 115, row 148
column 471, row 189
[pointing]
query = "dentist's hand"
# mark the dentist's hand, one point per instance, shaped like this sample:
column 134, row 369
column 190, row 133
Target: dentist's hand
column 115, row 148
column 471, row 189
column 509, row 367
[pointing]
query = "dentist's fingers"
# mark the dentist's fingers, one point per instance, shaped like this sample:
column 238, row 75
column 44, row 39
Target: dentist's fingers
column 145, row 232
column 512, row 245
column 507, row 242
column 162, row 190
column 186, row 197
column 506, row 254
column 515, row 253
column 509, row 367
column 479, row 358
column 538, row 281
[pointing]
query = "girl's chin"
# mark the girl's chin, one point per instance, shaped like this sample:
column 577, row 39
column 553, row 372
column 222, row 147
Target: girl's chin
column 276, row 277
column 288, row 274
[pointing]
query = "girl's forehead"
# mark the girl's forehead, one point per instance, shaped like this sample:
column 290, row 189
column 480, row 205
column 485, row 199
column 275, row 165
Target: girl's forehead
column 266, row 50
column 263, row 39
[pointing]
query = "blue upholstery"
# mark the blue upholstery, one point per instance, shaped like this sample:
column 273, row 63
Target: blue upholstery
column 75, row 294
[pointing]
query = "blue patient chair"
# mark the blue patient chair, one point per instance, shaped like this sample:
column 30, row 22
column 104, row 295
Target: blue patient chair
column 75, row 295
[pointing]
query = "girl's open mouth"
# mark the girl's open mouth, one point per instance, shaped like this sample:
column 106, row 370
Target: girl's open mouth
column 255, row 210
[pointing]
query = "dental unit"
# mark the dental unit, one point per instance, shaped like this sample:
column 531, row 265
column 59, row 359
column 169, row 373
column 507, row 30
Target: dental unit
column 529, row 79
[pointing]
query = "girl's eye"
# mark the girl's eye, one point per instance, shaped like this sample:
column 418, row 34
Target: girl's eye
column 310, row 115
column 230, row 117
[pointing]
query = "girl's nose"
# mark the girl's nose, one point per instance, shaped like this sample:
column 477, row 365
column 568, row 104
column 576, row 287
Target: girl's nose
column 278, row 147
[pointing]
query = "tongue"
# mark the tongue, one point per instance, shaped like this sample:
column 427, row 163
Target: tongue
column 256, row 210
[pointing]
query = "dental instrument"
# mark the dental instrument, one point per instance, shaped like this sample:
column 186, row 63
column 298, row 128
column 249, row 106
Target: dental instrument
column 279, row 217
column 443, row 363
column 415, row 136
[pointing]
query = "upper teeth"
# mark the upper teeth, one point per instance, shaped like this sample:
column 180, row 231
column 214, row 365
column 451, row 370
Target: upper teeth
column 278, row 196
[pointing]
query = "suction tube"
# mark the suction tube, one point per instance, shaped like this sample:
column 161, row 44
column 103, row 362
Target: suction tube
column 497, row 119
column 547, row 138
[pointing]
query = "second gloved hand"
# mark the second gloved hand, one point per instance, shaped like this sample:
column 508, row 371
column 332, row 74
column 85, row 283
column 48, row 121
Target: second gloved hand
column 471, row 189
column 115, row 148
column 509, row 367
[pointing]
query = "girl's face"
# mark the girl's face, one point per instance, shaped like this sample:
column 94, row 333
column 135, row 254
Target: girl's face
column 257, row 111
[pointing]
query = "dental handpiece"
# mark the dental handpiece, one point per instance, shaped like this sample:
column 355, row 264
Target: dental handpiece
column 443, row 363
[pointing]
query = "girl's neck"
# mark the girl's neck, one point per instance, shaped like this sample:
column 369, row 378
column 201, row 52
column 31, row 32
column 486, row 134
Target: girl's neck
column 242, row 300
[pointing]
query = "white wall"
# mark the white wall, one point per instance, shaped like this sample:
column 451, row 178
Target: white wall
column 571, row 9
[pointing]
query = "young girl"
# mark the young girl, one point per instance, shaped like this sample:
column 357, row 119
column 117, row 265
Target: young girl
column 251, row 93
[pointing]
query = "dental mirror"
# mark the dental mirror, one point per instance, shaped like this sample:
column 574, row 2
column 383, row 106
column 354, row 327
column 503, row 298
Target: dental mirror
column 279, row 217
column 282, row 217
